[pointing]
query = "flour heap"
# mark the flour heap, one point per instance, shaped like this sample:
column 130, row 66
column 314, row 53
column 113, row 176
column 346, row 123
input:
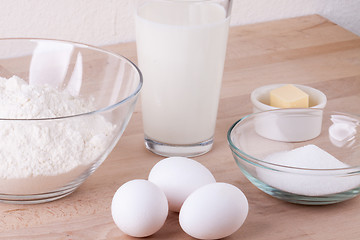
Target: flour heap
column 47, row 147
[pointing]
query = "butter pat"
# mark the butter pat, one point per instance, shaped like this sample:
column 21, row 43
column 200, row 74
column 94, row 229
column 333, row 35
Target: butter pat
column 289, row 96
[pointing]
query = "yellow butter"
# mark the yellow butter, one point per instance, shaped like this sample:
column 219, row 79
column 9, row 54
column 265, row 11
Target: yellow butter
column 289, row 96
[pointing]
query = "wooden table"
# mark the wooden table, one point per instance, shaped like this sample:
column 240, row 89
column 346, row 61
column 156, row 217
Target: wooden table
column 307, row 50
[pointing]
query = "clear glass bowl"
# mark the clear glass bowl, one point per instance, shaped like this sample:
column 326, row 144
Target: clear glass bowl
column 306, row 176
column 44, row 159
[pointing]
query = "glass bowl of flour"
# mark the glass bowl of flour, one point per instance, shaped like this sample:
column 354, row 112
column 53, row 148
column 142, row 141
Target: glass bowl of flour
column 63, row 108
column 305, row 156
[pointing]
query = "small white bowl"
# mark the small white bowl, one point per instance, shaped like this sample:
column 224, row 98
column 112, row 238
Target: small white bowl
column 280, row 128
column 260, row 97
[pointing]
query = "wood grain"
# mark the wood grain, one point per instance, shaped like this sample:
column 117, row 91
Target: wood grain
column 307, row 50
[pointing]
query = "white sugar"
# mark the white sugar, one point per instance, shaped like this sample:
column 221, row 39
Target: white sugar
column 309, row 156
column 304, row 182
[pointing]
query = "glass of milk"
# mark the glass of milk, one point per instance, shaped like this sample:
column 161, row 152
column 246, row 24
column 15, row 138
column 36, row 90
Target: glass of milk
column 181, row 47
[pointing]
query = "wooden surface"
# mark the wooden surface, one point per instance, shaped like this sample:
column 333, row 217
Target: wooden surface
column 307, row 50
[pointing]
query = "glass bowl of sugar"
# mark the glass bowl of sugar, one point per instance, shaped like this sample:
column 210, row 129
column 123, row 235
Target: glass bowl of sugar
column 63, row 108
column 305, row 156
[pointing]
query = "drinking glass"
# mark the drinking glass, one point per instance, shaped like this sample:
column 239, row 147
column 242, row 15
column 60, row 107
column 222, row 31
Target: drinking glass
column 181, row 47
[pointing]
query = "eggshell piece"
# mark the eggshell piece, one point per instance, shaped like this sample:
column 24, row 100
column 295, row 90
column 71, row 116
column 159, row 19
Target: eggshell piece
column 178, row 177
column 214, row 211
column 139, row 208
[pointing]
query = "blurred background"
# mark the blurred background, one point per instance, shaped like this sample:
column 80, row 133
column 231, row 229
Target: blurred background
column 104, row 22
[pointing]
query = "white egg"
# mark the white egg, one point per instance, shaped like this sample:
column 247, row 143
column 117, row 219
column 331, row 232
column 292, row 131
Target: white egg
column 214, row 211
column 178, row 177
column 139, row 208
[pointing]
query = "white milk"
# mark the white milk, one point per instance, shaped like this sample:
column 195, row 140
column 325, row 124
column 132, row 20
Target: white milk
column 182, row 62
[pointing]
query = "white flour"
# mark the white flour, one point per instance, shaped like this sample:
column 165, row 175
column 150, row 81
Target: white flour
column 31, row 151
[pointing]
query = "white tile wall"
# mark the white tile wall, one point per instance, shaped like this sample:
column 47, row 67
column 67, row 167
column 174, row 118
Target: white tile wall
column 101, row 22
